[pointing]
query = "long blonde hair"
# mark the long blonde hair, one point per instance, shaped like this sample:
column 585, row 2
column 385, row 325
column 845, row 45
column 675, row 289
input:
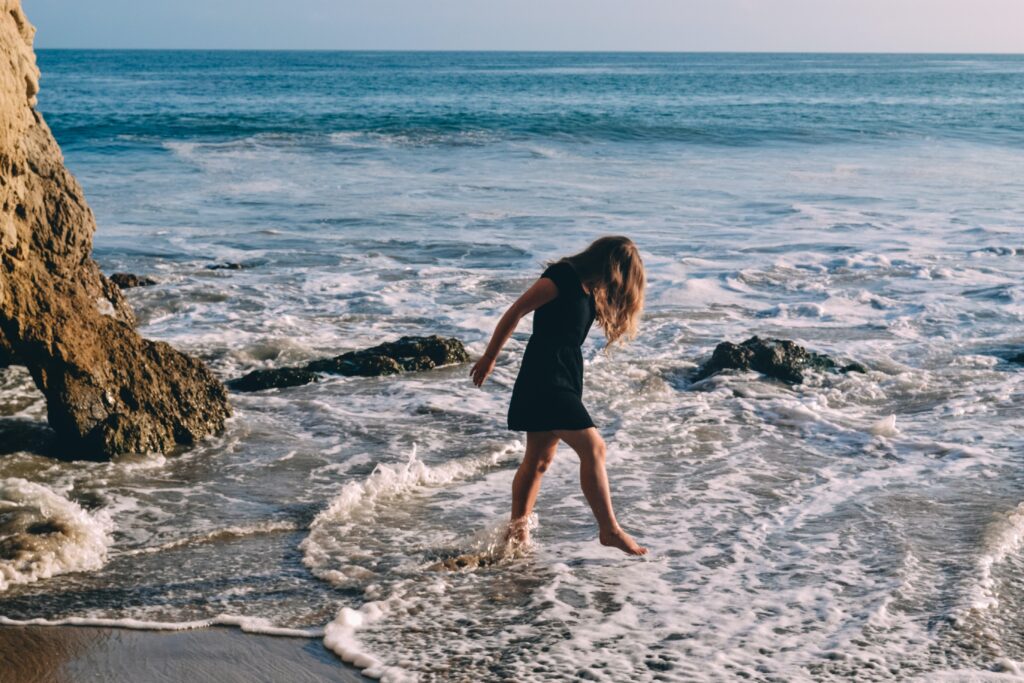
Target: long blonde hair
column 612, row 268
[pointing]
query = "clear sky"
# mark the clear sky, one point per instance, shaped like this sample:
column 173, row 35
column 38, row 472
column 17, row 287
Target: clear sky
column 670, row 25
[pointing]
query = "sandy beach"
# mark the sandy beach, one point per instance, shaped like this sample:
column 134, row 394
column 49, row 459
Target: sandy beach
column 68, row 654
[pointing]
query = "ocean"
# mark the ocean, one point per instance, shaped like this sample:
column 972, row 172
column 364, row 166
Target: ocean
column 854, row 527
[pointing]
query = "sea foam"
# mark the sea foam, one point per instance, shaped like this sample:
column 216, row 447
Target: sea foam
column 43, row 534
column 1004, row 537
column 326, row 546
column 322, row 548
column 254, row 625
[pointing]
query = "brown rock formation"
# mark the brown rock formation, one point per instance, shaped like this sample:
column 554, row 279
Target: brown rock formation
column 107, row 390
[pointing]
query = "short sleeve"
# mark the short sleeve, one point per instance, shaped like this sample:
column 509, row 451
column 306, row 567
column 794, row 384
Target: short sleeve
column 564, row 277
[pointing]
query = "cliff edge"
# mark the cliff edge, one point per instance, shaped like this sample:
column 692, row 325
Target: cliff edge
column 107, row 389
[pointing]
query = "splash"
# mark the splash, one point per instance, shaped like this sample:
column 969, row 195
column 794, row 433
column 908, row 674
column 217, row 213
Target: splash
column 1003, row 538
column 358, row 501
column 43, row 534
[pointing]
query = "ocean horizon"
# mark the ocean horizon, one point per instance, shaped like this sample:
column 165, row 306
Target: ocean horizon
column 910, row 53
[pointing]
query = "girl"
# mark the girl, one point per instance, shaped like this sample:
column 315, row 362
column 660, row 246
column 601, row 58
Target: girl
column 604, row 282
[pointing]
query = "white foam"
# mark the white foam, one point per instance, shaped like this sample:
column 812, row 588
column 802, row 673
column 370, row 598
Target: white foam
column 1003, row 537
column 410, row 596
column 330, row 542
column 327, row 532
column 183, row 149
column 246, row 624
column 795, row 310
column 698, row 292
column 885, row 427
column 340, row 638
column 45, row 534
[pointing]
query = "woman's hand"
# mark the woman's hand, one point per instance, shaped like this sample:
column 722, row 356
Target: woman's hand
column 481, row 369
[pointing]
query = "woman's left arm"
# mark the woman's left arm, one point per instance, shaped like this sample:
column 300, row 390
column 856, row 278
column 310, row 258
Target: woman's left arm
column 541, row 292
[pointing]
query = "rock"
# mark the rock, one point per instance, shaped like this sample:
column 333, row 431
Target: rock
column 406, row 354
column 107, row 390
column 225, row 266
column 129, row 280
column 258, row 380
column 853, row 367
column 358, row 364
column 6, row 353
column 779, row 358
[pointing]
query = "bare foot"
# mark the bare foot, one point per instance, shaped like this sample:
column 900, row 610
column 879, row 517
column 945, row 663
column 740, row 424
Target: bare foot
column 623, row 541
column 518, row 532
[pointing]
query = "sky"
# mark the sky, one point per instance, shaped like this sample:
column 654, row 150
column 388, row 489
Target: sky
column 599, row 25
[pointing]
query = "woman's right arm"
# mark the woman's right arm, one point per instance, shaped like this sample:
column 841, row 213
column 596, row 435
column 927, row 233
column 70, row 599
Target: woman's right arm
column 541, row 292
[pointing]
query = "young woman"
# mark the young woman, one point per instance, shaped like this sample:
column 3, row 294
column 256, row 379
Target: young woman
column 604, row 282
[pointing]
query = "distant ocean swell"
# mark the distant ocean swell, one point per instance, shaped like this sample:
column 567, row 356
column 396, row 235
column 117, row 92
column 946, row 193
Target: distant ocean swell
column 713, row 127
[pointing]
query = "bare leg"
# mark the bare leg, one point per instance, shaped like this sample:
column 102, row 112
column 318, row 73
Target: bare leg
column 589, row 445
column 540, row 451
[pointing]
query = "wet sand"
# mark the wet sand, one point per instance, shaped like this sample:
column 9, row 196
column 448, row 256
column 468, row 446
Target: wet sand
column 69, row 654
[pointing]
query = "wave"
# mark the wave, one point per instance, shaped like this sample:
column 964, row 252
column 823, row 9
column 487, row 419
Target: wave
column 468, row 98
column 43, row 534
column 740, row 125
column 225, row 534
column 1003, row 538
column 487, row 547
column 327, row 542
column 340, row 638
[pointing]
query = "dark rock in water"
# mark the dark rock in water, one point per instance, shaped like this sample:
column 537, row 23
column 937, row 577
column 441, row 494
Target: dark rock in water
column 467, row 561
column 225, row 266
column 407, row 354
column 258, row 380
column 107, row 389
column 779, row 358
column 6, row 353
column 854, row 367
column 357, row 364
column 45, row 527
column 129, row 280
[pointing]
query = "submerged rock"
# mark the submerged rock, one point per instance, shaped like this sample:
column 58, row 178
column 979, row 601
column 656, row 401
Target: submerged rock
column 407, row 354
column 258, row 380
column 779, row 358
column 129, row 280
column 107, row 389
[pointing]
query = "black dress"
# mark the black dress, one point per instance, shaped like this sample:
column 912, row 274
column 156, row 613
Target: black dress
column 548, row 391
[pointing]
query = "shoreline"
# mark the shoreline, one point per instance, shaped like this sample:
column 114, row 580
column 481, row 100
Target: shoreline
column 58, row 654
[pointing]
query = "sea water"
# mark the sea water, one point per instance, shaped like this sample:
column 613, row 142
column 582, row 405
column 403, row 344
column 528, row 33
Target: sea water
column 865, row 526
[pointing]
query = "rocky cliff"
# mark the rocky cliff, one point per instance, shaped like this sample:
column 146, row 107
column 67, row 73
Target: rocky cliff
column 107, row 390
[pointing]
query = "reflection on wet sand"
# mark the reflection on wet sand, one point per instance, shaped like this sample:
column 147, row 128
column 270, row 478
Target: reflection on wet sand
column 67, row 654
